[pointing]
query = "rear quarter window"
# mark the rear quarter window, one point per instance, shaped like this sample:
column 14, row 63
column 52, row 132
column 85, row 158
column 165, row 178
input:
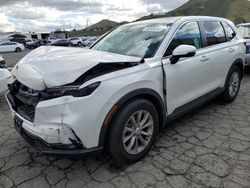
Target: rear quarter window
column 214, row 32
column 230, row 33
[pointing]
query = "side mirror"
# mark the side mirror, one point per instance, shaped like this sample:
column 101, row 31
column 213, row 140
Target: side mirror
column 182, row 51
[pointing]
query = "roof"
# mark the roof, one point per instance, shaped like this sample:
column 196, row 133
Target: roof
column 246, row 24
column 175, row 19
column 17, row 36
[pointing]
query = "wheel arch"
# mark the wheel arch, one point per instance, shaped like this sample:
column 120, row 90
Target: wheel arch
column 240, row 64
column 145, row 93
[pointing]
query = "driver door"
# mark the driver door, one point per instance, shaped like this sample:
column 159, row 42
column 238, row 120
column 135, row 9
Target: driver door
column 186, row 80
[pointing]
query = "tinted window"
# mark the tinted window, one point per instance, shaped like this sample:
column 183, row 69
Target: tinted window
column 229, row 31
column 214, row 33
column 188, row 34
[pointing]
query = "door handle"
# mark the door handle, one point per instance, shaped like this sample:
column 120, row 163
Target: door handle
column 204, row 58
column 231, row 50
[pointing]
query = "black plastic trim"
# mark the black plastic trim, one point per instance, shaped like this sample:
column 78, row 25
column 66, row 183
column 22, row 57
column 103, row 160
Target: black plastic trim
column 194, row 104
column 48, row 149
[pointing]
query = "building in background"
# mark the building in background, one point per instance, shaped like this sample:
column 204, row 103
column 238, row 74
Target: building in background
column 60, row 34
column 33, row 35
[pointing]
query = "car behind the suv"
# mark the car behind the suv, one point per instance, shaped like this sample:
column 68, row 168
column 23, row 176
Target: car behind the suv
column 244, row 30
column 5, row 75
column 119, row 94
column 76, row 41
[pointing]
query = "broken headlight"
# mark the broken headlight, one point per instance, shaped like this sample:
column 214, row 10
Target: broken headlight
column 73, row 90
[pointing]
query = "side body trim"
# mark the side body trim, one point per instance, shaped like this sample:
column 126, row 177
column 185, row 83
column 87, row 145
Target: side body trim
column 194, row 104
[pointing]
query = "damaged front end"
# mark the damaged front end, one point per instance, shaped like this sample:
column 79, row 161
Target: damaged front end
column 49, row 137
column 49, row 118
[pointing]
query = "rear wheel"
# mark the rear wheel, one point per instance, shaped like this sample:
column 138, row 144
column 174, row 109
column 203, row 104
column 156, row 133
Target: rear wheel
column 232, row 85
column 18, row 49
column 133, row 131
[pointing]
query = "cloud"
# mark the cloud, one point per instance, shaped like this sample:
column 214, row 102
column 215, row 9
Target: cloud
column 47, row 15
column 165, row 5
column 27, row 13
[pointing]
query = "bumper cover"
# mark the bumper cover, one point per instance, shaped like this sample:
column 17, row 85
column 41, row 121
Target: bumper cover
column 50, row 150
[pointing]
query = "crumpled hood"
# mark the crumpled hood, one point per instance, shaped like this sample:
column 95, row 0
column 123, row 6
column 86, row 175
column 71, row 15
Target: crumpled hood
column 55, row 66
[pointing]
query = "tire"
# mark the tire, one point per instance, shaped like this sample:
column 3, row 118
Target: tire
column 18, row 49
column 79, row 44
column 119, row 150
column 232, row 85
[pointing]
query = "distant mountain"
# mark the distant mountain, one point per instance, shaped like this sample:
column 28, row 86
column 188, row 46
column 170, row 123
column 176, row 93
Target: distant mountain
column 97, row 29
column 235, row 10
column 103, row 24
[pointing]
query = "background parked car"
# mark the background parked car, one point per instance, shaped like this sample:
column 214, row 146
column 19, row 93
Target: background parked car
column 62, row 42
column 43, row 42
column 32, row 43
column 19, row 40
column 52, row 39
column 11, row 47
column 5, row 75
column 89, row 42
column 244, row 30
column 2, row 62
column 76, row 41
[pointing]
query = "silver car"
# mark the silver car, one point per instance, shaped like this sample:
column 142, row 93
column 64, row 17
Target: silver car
column 244, row 29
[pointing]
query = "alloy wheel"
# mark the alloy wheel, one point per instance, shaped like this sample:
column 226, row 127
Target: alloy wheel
column 234, row 84
column 138, row 132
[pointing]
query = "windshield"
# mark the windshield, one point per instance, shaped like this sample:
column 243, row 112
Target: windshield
column 140, row 40
column 244, row 31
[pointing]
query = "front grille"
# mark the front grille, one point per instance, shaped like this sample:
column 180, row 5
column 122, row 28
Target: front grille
column 23, row 100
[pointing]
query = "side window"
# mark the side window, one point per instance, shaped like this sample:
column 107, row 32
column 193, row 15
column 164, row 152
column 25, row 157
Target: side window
column 214, row 33
column 229, row 32
column 188, row 34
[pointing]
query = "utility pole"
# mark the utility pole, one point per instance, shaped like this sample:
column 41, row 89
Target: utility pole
column 87, row 22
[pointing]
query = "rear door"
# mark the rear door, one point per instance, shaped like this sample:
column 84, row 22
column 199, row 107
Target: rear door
column 220, row 51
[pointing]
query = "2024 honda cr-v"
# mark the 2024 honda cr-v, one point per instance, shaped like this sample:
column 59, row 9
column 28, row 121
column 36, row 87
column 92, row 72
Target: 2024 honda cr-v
column 121, row 92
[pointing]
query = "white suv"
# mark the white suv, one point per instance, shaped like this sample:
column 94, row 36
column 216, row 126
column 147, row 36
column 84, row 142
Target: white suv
column 77, row 41
column 119, row 94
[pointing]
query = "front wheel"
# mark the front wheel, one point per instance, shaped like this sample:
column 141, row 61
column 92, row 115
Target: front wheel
column 232, row 85
column 133, row 131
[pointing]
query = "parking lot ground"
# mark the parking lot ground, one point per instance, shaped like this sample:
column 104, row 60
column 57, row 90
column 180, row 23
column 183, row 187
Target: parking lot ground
column 12, row 58
column 209, row 147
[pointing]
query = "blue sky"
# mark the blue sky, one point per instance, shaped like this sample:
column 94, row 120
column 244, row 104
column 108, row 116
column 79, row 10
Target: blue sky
column 47, row 15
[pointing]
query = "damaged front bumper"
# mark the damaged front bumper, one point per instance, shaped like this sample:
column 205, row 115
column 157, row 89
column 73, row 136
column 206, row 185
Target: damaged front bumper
column 49, row 132
column 52, row 150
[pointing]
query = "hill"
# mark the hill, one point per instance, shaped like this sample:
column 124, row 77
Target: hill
column 235, row 10
column 97, row 29
column 103, row 24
